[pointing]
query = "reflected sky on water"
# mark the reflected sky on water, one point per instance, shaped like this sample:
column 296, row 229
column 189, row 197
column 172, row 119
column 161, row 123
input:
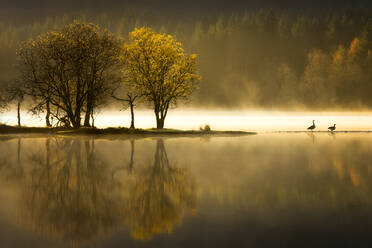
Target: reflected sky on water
column 289, row 190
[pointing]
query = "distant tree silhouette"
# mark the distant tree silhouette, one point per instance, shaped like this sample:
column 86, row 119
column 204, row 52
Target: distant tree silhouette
column 16, row 93
column 130, row 98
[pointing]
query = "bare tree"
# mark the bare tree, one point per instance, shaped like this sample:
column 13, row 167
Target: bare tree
column 3, row 101
column 15, row 92
column 129, row 99
column 102, row 67
column 70, row 71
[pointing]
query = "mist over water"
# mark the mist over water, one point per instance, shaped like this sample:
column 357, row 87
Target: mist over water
column 244, row 120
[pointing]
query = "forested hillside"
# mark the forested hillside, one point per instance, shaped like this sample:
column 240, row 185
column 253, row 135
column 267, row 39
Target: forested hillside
column 264, row 58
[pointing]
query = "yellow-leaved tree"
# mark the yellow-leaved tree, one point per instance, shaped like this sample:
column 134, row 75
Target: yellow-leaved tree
column 158, row 69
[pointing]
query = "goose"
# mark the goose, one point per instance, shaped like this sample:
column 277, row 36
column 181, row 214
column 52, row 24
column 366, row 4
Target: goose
column 332, row 128
column 312, row 127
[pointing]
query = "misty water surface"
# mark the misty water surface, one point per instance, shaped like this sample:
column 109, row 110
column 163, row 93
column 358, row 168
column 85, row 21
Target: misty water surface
column 267, row 190
column 246, row 120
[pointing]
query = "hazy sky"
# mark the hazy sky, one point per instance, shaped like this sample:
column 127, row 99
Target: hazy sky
column 23, row 10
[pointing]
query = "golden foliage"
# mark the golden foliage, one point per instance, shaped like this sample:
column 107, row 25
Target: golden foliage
column 354, row 46
column 339, row 56
column 71, row 194
column 159, row 197
column 157, row 67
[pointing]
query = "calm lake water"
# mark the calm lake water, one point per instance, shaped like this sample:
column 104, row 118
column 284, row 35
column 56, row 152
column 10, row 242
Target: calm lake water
column 266, row 190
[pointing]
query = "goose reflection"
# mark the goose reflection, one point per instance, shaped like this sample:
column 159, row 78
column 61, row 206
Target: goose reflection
column 332, row 134
column 311, row 136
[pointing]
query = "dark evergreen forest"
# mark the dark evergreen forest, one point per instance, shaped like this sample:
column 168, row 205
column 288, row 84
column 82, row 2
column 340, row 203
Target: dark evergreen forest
column 259, row 58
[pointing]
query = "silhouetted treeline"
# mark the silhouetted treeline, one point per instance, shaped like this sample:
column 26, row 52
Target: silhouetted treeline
column 263, row 58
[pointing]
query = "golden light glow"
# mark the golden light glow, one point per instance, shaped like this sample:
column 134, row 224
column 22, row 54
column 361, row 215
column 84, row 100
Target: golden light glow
column 245, row 120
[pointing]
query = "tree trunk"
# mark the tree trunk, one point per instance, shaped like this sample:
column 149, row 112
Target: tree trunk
column 131, row 114
column 72, row 120
column 162, row 123
column 78, row 118
column 47, row 117
column 87, row 119
column 158, row 122
column 19, row 113
column 78, row 122
column 75, row 119
column 92, row 120
column 87, row 115
column 89, row 110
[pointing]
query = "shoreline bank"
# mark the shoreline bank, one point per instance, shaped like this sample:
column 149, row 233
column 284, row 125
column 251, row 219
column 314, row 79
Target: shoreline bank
column 4, row 129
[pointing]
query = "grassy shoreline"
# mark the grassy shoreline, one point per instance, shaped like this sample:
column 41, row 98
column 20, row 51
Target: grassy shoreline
column 5, row 129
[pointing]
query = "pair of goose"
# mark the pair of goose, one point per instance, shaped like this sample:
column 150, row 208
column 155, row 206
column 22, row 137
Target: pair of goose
column 331, row 128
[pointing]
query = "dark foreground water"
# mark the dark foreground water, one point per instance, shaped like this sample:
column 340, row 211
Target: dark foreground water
column 267, row 190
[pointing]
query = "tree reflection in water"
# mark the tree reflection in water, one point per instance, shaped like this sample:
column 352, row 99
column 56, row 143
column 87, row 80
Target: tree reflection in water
column 69, row 192
column 79, row 190
column 159, row 196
